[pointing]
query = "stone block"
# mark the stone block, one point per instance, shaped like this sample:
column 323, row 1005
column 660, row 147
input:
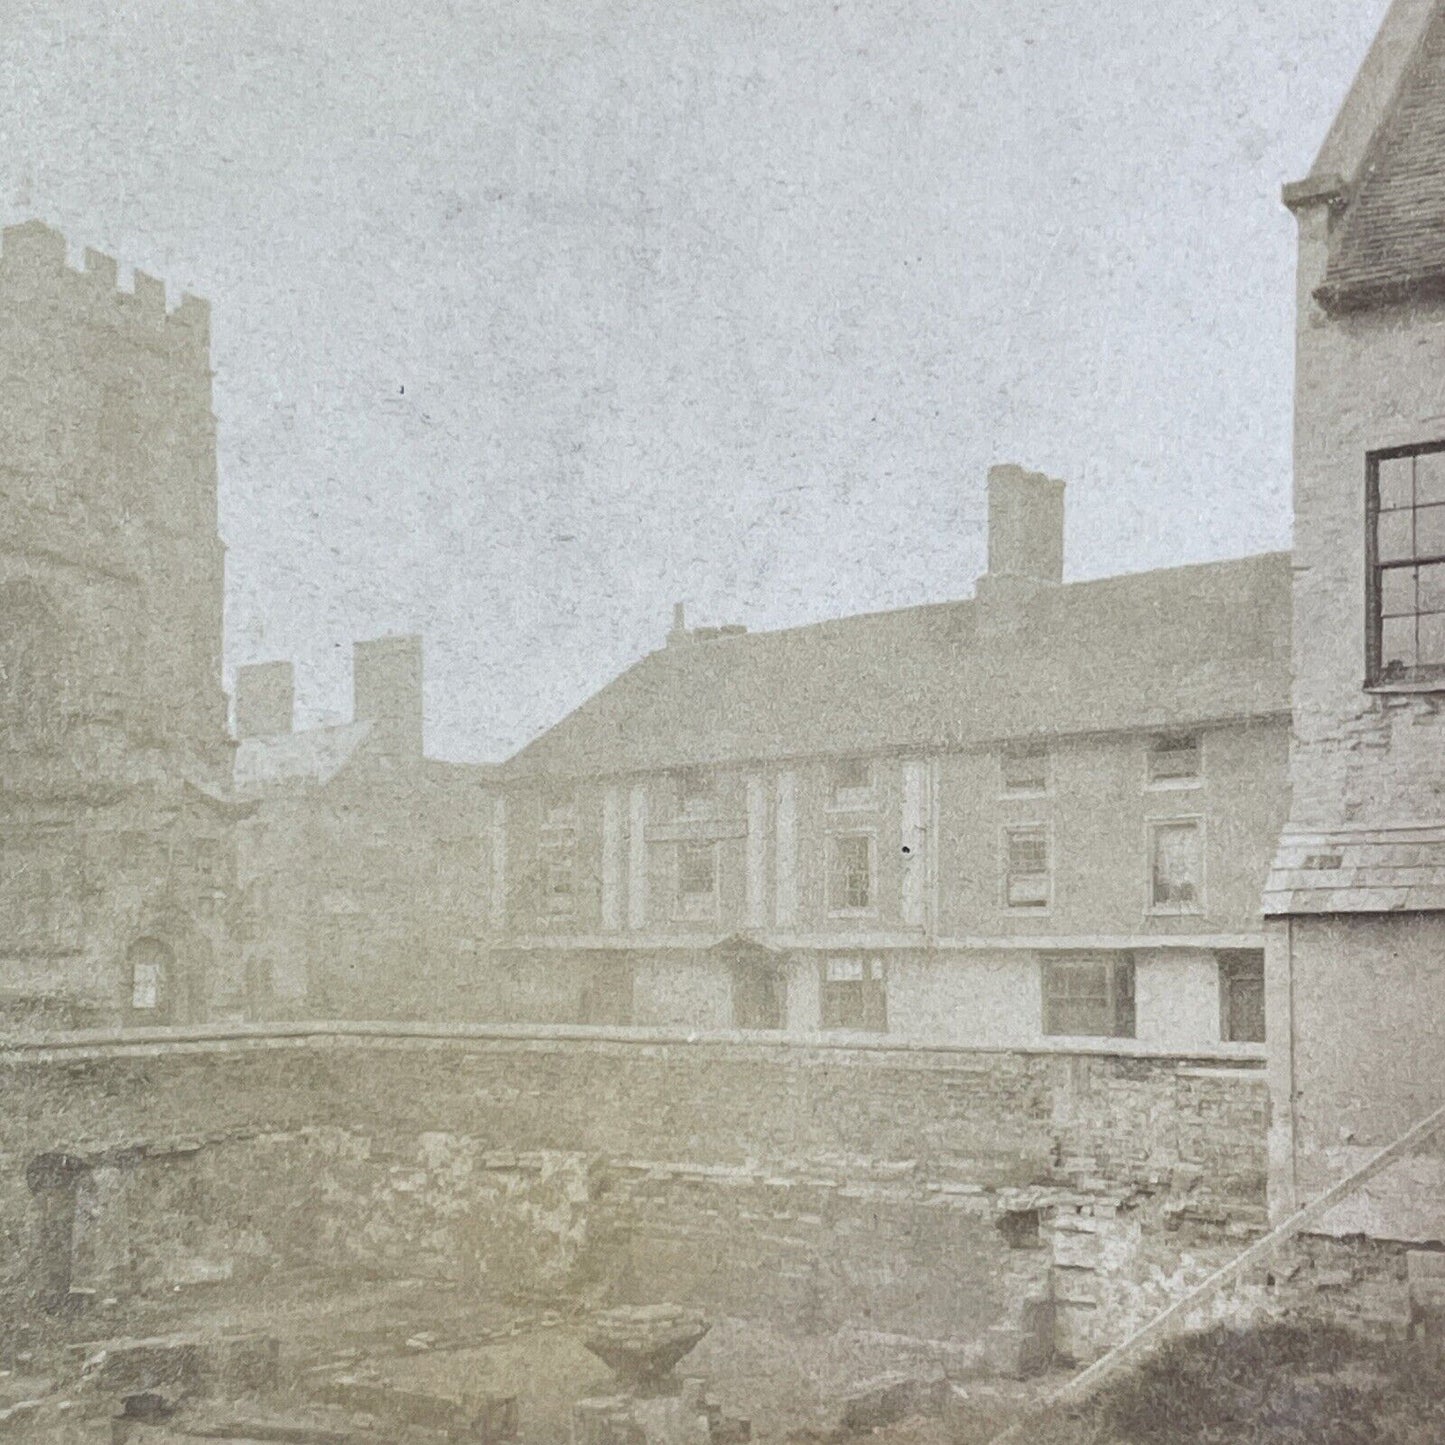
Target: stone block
column 882, row 1401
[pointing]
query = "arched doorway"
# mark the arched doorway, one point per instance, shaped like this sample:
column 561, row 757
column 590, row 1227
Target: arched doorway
column 150, row 982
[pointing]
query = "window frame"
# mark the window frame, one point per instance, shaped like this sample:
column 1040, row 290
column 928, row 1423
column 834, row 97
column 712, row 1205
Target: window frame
column 559, row 811
column 868, row 992
column 1006, row 869
column 1374, row 572
column 1227, row 961
column 836, row 908
column 697, row 804
column 1152, row 826
column 845, row 800
column 698, row 913
column 1158, row 743
column 1017, row 751
column 1116, row 966
column 557, row 855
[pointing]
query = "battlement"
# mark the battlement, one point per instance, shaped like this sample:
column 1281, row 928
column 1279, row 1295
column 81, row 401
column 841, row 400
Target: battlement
column 33, row 258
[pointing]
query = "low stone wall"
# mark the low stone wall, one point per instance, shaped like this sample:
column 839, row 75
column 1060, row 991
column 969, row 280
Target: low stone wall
column 911, row 1189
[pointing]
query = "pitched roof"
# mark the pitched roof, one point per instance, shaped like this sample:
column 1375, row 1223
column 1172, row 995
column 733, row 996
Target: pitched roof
column 1358, row 870
column 315, row 755
column 1390, row 241
column 1150, row 650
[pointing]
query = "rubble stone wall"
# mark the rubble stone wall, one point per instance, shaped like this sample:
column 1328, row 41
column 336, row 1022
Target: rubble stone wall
column 905, row 1190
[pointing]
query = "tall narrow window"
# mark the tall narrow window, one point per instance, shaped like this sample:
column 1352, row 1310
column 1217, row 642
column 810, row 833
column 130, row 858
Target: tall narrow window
column 1405, row 547
column 1241, row 996
column 850, row 872
column 697, row 881
column 1089, row 995
column 1028, row 878
column 1176, row 866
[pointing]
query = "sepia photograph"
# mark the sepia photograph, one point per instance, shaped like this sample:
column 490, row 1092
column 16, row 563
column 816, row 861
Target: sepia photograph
column 722, row 723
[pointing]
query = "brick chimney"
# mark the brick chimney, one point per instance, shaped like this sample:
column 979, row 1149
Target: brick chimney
column 1025, row 539
column 386, row 680
column 265, row 699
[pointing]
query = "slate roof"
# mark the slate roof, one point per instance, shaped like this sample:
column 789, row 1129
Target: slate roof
column 1151, row 650
column 1358, row 870
column 315, row 755
column 1390, row 242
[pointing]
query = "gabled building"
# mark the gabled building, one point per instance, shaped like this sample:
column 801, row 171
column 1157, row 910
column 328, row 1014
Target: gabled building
column 1043, row 812
column 115, row 822
column 1356, row 898
column 359, row 861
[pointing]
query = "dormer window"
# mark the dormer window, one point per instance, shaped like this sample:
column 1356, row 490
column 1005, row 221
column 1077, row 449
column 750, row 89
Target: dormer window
column 851, row 783
column 696, row 793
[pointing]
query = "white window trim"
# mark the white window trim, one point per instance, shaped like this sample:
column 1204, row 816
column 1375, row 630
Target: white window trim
column 1166, row 910
column 703, row 805
column 837, row 910
column 1022, row 910
column 1170, row 785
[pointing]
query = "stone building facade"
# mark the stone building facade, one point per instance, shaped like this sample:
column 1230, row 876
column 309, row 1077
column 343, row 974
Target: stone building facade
column 115, row 856
column 1043, row 812
column 1356, row 899
column 359, row 858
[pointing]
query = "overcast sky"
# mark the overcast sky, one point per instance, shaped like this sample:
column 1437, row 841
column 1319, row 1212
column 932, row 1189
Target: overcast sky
column 533, row 317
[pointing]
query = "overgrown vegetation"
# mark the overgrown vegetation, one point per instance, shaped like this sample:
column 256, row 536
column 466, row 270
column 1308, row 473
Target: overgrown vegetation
column 1274, row 1385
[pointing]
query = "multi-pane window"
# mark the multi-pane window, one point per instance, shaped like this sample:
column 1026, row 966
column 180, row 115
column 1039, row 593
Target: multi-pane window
column 854, row 994
column 850, row 782
column 1241, row 996
column 1176, row 866
column 1089, row 995
column 1025, row 769
column 1028, row 877
column 1174, row 758
column 696, row 792
column 1405, row 543
column 696, row 880
column 850, row 872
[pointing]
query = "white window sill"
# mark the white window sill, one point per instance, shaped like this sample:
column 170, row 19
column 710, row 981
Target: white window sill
column 1195, row 911
column 1173, row 785
column 1406, row 688
column 852, row 913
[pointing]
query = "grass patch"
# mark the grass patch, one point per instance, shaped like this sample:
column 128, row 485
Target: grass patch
column 1280, row 1384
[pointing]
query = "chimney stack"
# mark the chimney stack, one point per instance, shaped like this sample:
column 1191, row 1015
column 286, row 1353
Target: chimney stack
column 386, row 681
column 1025, row 536
column 265, row 699
column 679, row 631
